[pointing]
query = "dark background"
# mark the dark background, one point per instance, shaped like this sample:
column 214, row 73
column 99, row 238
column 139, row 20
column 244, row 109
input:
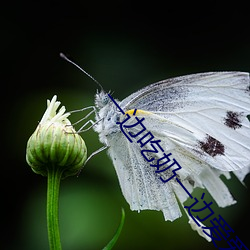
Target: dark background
column 125, row 45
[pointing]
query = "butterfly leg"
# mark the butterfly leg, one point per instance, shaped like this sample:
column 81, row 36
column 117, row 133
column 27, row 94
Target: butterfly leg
column 92, row 154
column 96, row 152
column 86, row 116
column 81, row 129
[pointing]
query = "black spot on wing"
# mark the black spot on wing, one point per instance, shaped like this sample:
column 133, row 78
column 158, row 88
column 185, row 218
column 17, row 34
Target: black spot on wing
column 233, row 119
column 212, row 146
column 191, row 181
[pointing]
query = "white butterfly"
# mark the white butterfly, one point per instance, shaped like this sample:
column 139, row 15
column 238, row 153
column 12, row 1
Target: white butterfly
column 201, row 119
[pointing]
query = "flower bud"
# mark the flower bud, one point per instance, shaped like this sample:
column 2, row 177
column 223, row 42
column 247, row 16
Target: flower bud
column 55, row 144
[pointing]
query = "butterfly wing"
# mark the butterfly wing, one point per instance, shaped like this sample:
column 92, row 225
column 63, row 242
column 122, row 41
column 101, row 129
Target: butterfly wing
column 139, row 184
column 201, row 120
column 210, row 108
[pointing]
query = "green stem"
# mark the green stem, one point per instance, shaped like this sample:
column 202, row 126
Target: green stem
column 54, row 177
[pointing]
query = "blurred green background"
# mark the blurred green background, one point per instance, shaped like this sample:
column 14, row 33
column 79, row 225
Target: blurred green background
column 125, row 47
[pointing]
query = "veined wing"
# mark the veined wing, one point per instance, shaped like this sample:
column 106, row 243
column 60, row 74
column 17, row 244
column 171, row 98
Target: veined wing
column 211, row 108
column 142, row 186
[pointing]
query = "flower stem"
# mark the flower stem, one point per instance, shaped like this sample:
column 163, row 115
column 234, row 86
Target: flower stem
column 54, row 177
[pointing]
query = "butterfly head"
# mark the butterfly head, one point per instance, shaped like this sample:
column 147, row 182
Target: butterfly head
column 101, row 99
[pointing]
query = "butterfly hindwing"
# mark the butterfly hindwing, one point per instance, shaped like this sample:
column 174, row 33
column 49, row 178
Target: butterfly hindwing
column 141, row 187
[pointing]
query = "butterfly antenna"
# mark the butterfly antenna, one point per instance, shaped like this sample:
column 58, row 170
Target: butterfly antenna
column 86, row 73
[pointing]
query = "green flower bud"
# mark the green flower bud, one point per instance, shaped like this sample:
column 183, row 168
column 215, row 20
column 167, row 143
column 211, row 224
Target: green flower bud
column 55, row 144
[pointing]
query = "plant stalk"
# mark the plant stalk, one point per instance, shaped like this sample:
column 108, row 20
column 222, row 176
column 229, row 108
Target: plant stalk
column 54, row 178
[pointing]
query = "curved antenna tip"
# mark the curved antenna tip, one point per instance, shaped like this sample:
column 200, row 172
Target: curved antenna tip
column 63, row 56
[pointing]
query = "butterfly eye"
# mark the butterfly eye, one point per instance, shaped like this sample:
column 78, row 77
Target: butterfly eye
column 105, row 100
column 102, row 99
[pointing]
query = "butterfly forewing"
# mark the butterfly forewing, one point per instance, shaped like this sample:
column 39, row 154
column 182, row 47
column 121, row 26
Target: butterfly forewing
column 210, row 108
